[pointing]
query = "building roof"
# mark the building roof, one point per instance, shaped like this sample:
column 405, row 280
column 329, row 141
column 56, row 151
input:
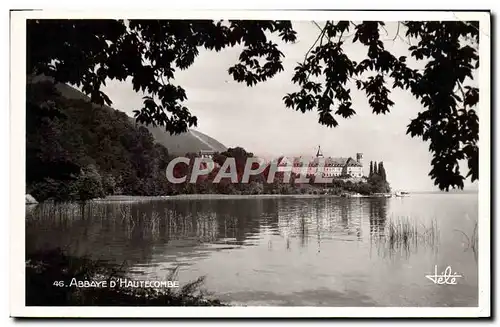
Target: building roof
column 353, row 163
column 319, row 153
column 329, row 161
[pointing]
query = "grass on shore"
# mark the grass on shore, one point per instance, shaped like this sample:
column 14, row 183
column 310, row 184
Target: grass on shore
column 405, row 234
column 43, row 269
column 405, row 231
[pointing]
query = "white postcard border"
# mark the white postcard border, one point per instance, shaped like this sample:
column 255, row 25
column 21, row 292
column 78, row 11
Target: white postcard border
column 17, row 170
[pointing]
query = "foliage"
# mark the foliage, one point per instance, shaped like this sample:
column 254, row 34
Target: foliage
column 149, row 52
column 45, row 268
column 50, row 188
column 48, row 164
column 89, row 184
column 381, row 171
column 60, row 148
column 86, row 53
column 448, row 120
column 256, row 188
column 109, row 184
column 378, row 179
column 258, row 184
column 379, row 185
column 237, row 152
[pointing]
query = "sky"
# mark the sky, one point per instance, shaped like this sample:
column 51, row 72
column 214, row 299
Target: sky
column 256, row 118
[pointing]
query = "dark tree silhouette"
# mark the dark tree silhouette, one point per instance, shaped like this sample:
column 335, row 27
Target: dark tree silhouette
column 86, row 53
column 371, row 169
column 69, row 136
column 375, row 168
column 381, row 171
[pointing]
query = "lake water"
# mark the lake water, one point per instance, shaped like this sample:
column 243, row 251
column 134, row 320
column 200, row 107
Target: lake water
column 322, row 251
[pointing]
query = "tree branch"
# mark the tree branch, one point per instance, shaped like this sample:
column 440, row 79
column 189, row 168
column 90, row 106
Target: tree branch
column 317, row 25
column 386, row 33
column 340, row 37
column 397, row 33
column 463, row 94
column 320, row 36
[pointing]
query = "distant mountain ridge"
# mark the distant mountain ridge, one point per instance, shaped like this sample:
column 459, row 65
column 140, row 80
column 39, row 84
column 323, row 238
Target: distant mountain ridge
column 190, row 141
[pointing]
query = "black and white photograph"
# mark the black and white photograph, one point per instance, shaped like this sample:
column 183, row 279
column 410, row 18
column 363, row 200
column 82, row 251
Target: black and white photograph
column 282, row 161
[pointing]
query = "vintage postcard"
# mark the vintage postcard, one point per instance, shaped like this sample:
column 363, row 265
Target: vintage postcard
column 250, row 163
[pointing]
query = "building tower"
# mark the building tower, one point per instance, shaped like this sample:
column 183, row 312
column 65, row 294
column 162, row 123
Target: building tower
column 359, row 158
column 319, row 154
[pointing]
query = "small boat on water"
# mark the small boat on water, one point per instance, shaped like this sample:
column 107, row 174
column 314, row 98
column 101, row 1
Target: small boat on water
column 402, row 194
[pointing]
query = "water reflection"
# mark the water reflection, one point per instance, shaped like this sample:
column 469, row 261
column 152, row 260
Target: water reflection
column 343, row 244
column 377, row 215
column 133, row 231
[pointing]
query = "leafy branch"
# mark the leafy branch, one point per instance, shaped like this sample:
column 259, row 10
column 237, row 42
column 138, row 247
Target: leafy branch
column 87, row 53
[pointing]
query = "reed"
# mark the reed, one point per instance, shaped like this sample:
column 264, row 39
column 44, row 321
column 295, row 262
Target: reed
column 472, row 239
column 406, row 234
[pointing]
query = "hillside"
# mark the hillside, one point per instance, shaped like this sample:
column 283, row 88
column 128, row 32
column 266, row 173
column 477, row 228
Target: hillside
column 191, row 141
column 70, row 141
column 76, row 150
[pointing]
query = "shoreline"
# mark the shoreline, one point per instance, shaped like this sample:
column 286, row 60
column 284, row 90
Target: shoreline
column 213, row 196
column 122, row 198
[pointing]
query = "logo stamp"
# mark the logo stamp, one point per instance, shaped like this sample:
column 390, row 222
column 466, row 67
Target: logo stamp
column 446, row 277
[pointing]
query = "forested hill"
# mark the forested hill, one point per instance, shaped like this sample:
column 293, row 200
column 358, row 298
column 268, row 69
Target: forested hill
column 191, row 141
column 77, row 150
